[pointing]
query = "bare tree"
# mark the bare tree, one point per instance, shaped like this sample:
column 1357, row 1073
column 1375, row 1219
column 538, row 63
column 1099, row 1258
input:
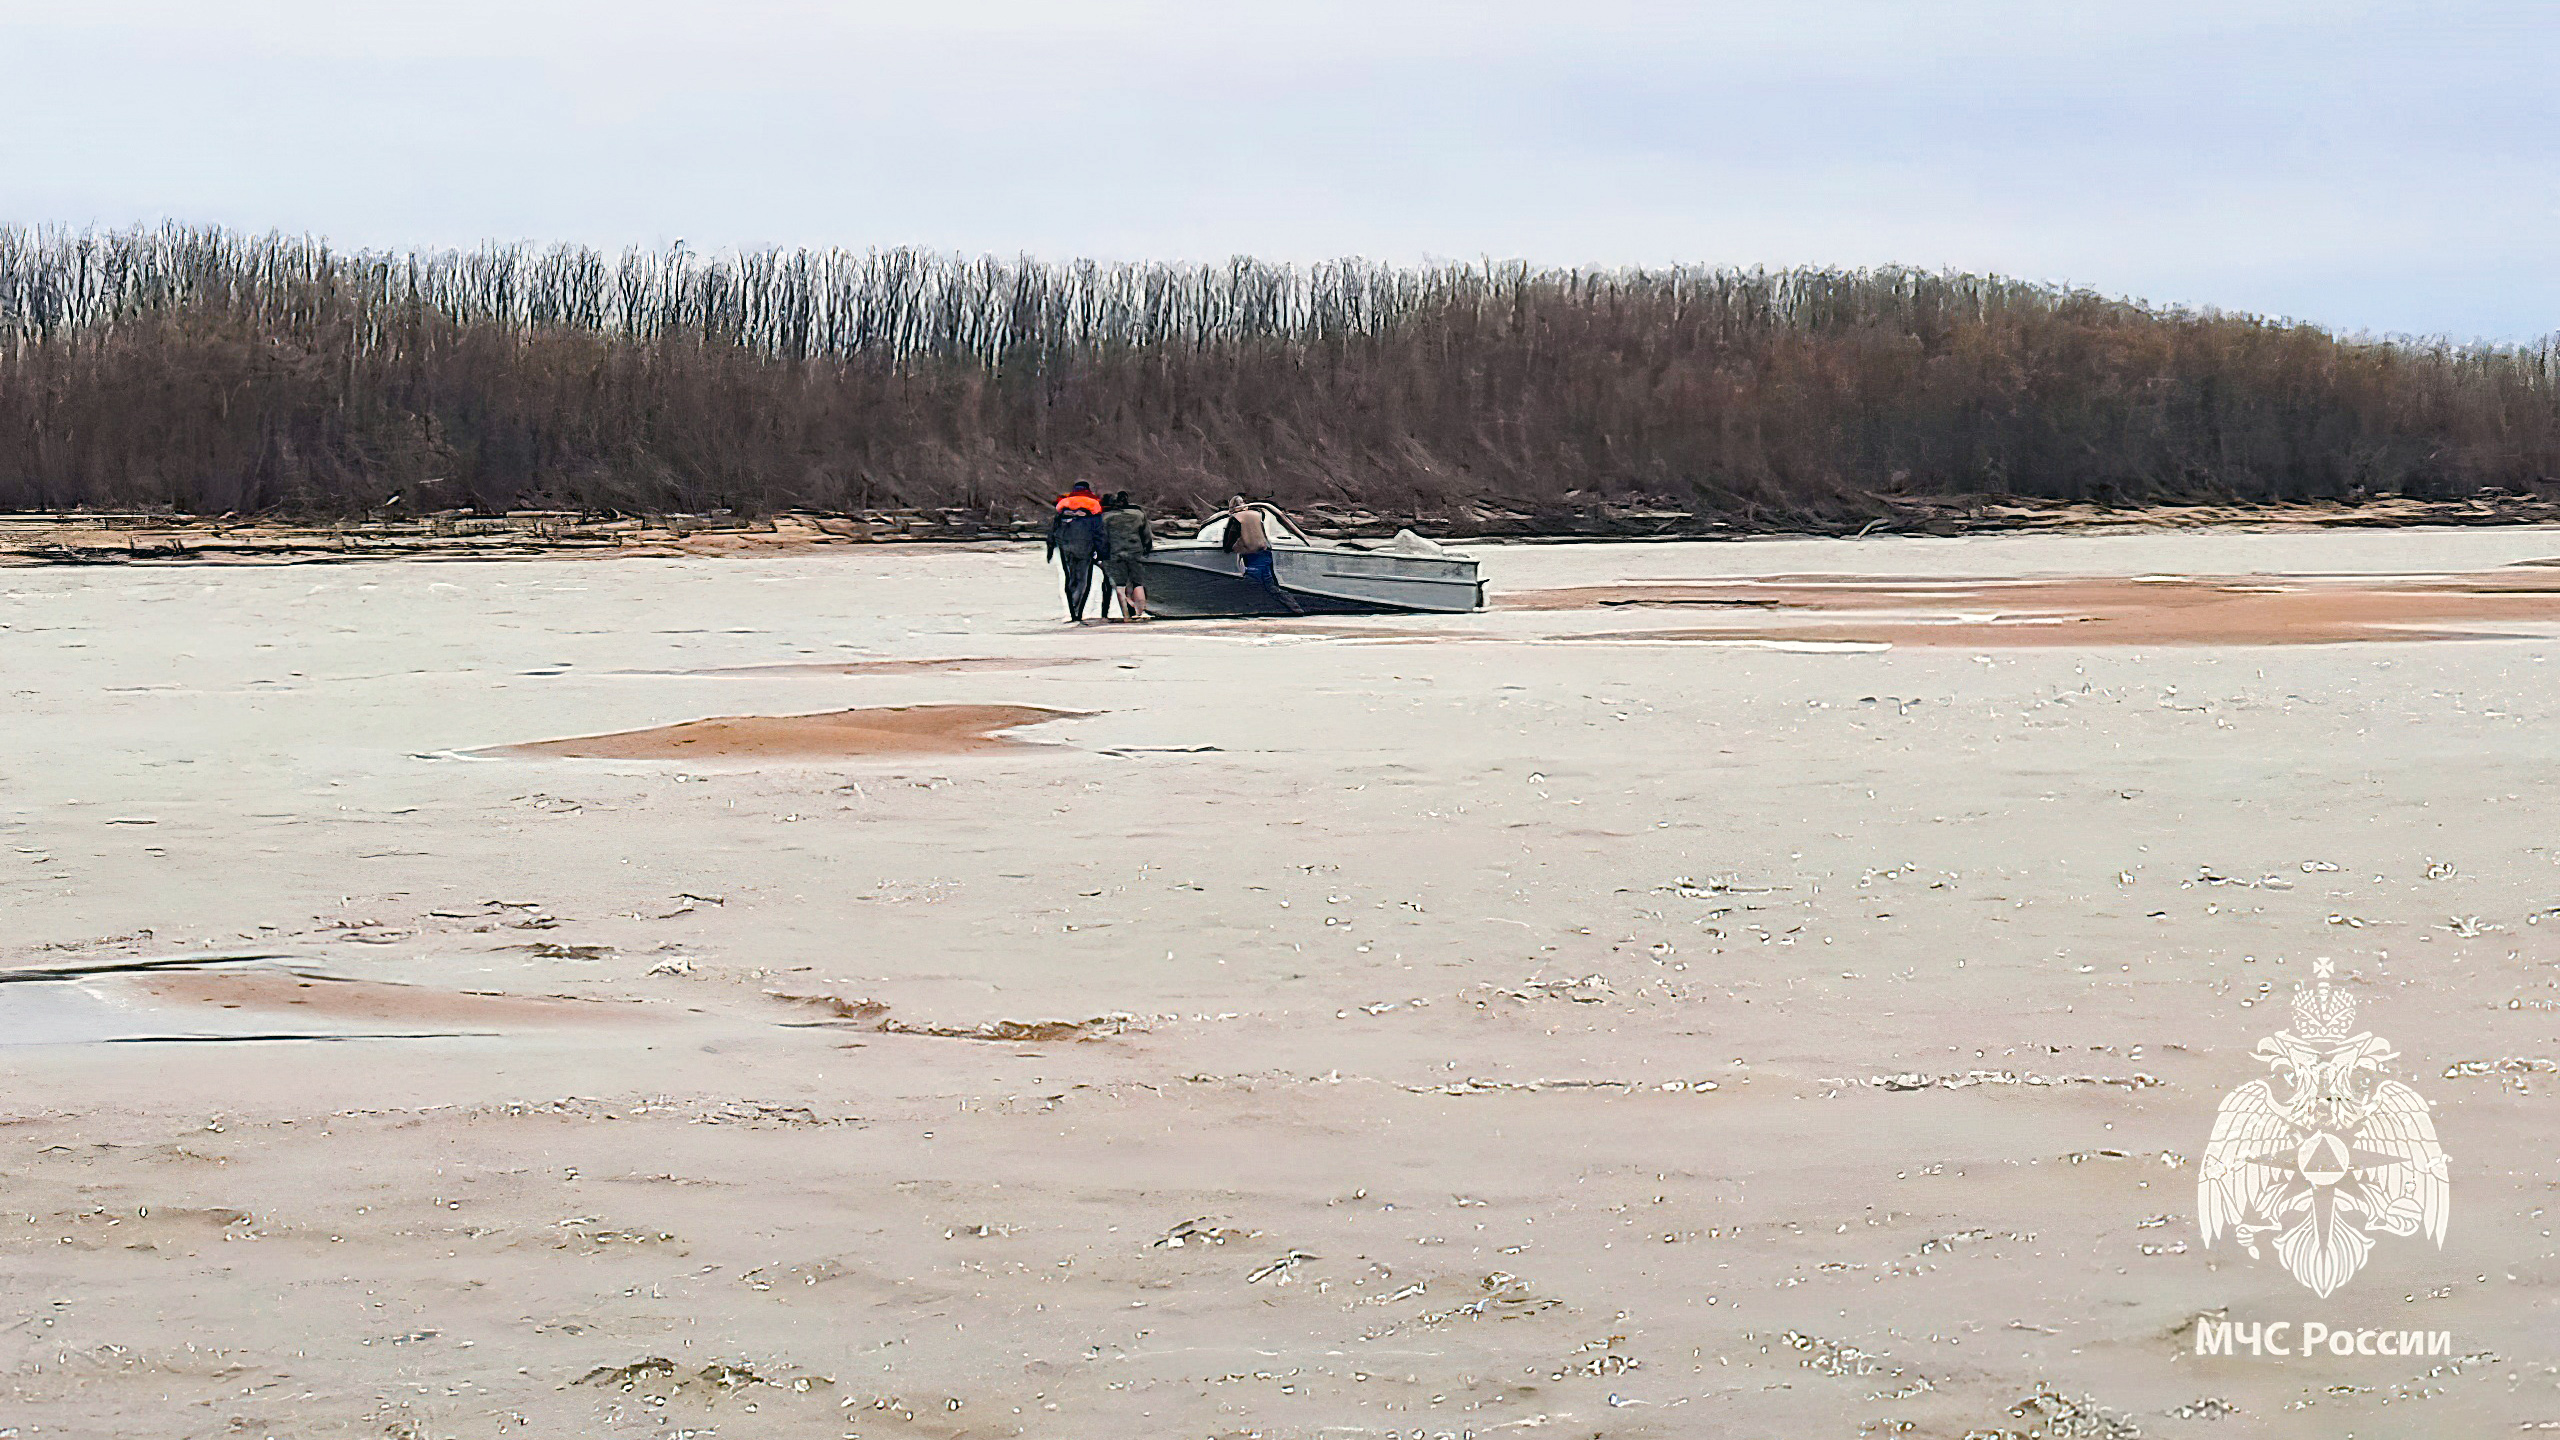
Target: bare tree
column 210, row 372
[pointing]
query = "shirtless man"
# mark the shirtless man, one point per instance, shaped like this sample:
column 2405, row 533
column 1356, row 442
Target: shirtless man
column 1251, row 540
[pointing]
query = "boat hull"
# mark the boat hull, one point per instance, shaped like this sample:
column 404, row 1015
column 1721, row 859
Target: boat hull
column 1185, row 583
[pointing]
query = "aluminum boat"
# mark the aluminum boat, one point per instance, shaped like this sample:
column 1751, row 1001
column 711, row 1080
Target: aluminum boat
column 1200, row 577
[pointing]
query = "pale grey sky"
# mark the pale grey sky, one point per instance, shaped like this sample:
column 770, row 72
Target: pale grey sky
column 2384, row 167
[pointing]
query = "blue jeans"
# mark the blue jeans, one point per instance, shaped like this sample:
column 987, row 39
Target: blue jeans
column 1257, row 568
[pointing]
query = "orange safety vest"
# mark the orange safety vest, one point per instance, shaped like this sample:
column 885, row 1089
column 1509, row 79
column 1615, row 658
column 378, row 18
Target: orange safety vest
column 1081, row 503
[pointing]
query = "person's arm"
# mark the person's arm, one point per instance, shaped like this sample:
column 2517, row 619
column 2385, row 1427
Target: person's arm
column 1050, row 551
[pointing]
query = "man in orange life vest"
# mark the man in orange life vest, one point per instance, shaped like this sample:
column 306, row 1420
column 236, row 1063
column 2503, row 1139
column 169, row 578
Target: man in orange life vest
column 1076, row 540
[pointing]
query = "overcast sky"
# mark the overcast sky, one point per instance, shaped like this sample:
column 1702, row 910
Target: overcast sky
column 2382, row 167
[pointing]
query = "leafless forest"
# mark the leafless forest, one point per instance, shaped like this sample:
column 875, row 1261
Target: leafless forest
column 217, row 373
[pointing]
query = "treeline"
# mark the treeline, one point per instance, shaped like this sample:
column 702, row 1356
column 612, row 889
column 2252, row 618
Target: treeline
column 217, row 373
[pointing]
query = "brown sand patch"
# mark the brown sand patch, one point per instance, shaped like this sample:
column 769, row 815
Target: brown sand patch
column 887, row 667
column 872, row 1015
column 2083, row 611
column 362, row 999
column 835, row 734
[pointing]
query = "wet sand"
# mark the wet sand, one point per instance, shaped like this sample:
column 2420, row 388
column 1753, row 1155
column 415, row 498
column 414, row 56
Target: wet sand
column 838, row 734
column 329, row 998
column 945, row 666
column 1557, row 1026
column 2086, row 611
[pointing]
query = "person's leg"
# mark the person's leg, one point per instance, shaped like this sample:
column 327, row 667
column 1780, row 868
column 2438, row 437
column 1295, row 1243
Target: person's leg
column 1079, row 585
column 1260, row 568
column 1136, row 603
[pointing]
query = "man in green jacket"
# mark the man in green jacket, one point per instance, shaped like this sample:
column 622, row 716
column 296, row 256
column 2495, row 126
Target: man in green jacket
column 1130, row 539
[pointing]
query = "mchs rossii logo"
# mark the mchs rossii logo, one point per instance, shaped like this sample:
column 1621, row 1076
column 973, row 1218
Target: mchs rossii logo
column 2325, row 1154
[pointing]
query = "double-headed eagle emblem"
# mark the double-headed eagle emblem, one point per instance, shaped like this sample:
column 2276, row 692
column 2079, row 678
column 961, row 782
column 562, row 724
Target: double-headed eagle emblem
column 2343, row 1154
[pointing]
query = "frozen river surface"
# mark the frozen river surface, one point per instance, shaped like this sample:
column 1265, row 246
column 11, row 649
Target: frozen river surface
column 1607, row 1017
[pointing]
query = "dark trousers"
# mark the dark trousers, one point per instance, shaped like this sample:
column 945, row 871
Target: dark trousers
column 1079, row 582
